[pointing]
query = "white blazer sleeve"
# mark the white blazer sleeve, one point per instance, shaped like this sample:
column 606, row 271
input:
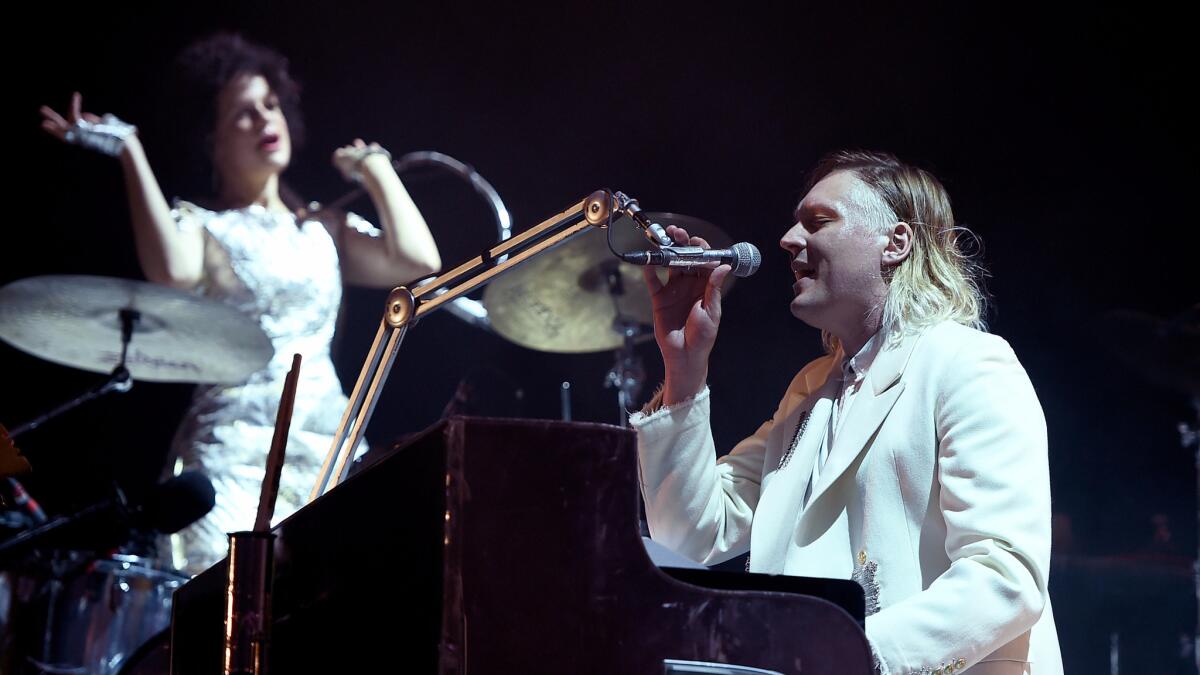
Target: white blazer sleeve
column 993, row 492
column 698, row 505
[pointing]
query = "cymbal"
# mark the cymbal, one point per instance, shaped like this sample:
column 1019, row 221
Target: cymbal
column 180, row 337
column 1165, row 351
column 575, row 298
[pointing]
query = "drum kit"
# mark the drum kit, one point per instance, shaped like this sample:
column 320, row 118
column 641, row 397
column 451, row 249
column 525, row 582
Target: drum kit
column 72, row 610
column 65, row 610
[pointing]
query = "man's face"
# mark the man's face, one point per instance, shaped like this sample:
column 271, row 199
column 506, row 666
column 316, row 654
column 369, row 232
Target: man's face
column 836, row 247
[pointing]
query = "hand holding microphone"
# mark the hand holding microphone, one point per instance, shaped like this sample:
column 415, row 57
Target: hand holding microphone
column 687, row 312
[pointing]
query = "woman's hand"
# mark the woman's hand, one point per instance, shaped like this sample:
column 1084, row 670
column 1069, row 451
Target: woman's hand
column 108, row 134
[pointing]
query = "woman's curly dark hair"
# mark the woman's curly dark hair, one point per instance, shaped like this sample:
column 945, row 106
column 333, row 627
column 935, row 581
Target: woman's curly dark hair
column 203, row 69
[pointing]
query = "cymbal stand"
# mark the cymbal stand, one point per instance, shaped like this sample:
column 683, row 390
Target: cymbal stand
column 119, row 380
column 628, row 372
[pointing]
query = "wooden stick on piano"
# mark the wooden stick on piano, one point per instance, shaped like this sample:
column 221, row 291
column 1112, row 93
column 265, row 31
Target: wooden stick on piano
column 283, row 422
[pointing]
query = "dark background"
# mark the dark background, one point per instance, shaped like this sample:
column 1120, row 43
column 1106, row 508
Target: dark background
column 1062, row 137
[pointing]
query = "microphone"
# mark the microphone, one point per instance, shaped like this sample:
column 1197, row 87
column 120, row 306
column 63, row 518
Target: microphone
column 742, row 256
column 169, row 507
column 175, row 503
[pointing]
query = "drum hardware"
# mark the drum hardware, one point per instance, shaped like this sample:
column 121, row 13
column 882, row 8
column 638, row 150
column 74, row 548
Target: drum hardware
column 628, row 372
column 169, row 507
column 119, row 380
column 163, row 334
column 564, row 400
column 91, row 613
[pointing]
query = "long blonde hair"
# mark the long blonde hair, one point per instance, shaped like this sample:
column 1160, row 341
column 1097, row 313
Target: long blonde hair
column 940, row 280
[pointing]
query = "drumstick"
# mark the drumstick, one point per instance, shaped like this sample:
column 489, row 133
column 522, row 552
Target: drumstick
column 283, row 421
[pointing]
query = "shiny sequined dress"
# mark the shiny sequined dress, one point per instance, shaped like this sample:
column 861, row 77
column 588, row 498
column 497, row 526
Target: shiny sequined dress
column 285, row 276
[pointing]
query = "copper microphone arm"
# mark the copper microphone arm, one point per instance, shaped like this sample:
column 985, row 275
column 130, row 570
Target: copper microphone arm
column 405, row 307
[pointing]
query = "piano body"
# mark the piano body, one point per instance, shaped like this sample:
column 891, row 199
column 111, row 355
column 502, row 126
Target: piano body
column 512, row 546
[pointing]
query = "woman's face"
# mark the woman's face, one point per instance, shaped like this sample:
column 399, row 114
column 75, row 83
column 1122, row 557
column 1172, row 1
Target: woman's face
column 251, row 140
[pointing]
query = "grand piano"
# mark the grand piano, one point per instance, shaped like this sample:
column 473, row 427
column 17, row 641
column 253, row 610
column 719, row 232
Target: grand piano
column 512, row 546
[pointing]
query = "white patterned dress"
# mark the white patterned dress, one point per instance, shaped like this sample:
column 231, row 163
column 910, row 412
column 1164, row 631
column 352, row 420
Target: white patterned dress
column 284, row 275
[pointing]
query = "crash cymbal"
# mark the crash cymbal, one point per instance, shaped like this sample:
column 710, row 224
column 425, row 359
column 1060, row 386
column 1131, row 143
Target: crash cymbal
column 579, row 297
column 1165, row 351
column 179, row 337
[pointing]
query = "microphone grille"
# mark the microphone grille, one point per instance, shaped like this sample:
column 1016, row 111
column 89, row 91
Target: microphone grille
column 748, row 259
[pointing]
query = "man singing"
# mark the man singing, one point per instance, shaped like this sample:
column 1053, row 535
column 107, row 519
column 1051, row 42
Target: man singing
column 911, row 457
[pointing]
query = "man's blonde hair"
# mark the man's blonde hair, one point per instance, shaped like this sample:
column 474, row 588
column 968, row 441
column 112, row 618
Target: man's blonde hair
column 939, row 280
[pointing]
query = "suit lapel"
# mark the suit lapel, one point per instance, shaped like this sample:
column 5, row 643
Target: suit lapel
column 783, row 488
column 808, row 428
column 871, row 406
column 808, row 417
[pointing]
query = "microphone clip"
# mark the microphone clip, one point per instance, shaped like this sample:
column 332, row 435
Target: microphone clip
column 653, row 231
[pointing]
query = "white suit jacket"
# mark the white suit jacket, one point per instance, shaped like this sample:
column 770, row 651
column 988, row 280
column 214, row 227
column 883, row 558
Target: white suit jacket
column 935, row 497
